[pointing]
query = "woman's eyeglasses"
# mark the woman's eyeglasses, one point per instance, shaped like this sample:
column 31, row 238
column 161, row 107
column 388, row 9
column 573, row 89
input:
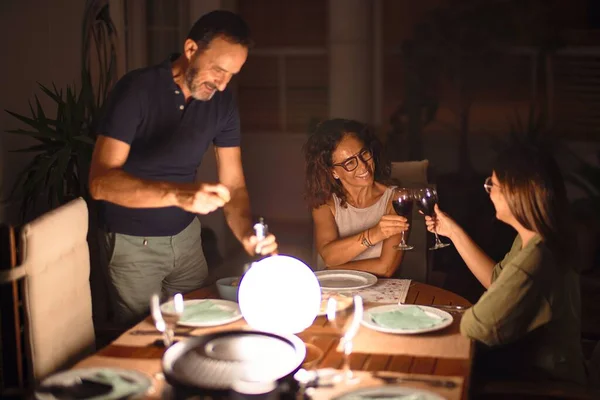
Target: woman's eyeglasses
column 351, row 163
column 488, row 184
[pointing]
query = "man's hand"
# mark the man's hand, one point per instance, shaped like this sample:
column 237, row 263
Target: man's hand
column 253, row 246
column 202, row 198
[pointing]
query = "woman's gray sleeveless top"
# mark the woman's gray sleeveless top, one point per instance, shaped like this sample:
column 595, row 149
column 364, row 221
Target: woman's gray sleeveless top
column 351, row 220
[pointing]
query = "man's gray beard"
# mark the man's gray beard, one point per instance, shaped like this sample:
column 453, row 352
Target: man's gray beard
column 190, row 76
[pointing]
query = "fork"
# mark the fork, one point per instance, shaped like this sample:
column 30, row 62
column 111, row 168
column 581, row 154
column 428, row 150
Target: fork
column 142, row 332
column 447, row 307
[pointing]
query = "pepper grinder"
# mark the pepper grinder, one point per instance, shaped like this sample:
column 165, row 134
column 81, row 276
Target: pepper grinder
column 261, row 230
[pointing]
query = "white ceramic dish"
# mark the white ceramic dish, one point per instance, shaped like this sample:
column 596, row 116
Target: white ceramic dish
column 225, row 305
column 340, row 279
column 444, row 317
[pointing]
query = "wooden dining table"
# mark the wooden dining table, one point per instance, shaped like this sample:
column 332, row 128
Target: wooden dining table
column 138, row 349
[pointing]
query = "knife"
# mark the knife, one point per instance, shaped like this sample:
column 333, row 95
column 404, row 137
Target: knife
column 448, row 307
column 81, row 389
column 445, row 383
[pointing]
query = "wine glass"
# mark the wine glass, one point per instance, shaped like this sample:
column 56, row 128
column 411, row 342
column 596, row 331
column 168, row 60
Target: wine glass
column 166, row 316
column 349, row 331
column 402, row 201
column 426, row 199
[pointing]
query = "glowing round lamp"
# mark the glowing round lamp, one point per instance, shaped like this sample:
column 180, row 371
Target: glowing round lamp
column 279, row 294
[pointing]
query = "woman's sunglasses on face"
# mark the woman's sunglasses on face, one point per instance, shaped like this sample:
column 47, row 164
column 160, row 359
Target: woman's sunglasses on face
column 351, row 163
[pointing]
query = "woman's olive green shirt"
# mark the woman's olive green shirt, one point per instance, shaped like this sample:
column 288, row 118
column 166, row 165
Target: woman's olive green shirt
column 531, row 313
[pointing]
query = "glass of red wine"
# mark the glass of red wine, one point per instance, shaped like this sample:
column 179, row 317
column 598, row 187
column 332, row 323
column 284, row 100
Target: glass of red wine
column 426, row 199
column 402, row 201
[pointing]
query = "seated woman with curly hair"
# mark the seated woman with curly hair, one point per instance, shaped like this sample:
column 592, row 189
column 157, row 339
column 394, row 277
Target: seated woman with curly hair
column 355, row 227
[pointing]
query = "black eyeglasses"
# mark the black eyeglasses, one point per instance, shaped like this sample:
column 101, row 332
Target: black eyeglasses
column 351, row 163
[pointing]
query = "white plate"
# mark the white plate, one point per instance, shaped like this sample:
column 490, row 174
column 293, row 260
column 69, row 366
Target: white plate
column 341, row 279
column 69, row 377
column 430, row 311
column 222, row 304
column 389, row 391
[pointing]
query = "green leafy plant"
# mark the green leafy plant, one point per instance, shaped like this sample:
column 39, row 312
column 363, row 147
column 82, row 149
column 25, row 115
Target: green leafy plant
column 404, row 141
column 532, row 130
column 98, row 56
column 59, row 168
column 57, row 172
column 587, row 177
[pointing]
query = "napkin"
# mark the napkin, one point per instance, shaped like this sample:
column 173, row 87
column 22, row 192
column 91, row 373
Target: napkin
column 205, row 311
column 411, row 317
column 122, row 387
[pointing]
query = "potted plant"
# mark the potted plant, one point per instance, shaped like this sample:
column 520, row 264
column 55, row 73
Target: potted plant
column 59, row 168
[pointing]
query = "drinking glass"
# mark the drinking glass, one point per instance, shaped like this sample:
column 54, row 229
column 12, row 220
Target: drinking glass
column 348, row 332
column 426, row 199
column 402, row 201
column 167, row 315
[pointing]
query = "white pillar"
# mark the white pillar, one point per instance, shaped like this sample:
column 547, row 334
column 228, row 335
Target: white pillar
column 377, row 69
column 350, row 59
column 117, row 14
column 137, row 56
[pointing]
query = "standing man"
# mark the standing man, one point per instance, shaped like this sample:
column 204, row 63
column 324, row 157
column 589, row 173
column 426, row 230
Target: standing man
column 158, row 123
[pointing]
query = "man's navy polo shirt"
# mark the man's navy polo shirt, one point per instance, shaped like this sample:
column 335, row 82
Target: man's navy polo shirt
column 168, row 139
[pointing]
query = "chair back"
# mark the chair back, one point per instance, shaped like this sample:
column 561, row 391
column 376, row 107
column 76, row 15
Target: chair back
column 57, row 298
column 11, row 337
column 416, row 262
column 411, row 174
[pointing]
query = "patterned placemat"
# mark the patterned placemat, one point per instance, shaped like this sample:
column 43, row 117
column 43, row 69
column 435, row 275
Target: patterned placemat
column 384, row 291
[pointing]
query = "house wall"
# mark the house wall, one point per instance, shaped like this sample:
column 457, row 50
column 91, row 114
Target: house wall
column 40, row 42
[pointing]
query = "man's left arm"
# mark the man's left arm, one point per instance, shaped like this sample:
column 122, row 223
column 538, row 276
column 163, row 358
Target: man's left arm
column 237, row 210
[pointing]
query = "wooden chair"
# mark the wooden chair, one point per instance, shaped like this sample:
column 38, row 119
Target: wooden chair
column 12, row 361
column 57, row 302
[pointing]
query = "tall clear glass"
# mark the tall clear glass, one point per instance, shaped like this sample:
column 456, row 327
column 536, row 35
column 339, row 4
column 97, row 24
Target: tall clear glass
column 426, row 199
column 348, row 331
column 402, row 201
column 167, row 315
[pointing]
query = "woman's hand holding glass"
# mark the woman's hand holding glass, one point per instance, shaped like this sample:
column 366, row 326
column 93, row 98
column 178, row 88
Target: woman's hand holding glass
column 402, row 202
column 427, row 200
column 388, row 226
column 441, row 223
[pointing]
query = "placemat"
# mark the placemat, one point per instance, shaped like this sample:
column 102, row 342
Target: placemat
column 384, row 291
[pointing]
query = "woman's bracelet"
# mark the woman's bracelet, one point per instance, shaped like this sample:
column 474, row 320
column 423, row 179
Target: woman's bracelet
column 365, row 239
